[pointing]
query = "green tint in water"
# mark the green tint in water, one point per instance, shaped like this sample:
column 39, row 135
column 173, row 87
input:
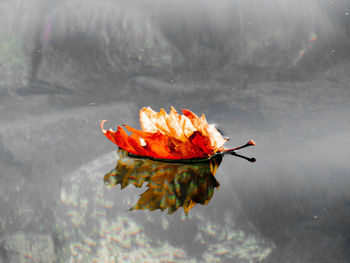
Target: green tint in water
column 170, row 185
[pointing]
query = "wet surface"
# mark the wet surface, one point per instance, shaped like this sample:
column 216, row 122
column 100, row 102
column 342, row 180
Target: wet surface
column 65, row 67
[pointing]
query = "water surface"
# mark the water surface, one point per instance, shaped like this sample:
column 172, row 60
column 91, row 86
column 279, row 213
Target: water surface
column 275, row 73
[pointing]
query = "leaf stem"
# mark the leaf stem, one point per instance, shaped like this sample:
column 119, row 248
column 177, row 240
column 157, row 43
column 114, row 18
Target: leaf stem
column 232, row 151
column 250, row 143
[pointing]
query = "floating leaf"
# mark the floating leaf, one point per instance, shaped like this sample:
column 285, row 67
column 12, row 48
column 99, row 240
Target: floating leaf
column 169, row 185
column 172, row 136
column 175, row 155
column 169, row 136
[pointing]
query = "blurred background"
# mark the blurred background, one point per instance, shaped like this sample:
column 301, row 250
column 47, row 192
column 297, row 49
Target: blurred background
column 273, row 71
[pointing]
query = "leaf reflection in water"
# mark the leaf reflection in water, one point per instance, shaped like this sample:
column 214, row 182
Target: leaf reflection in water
column 170, row 185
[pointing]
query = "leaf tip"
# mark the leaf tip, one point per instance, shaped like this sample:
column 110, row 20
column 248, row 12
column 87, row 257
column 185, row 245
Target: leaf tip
column 102, row 124
column 251, row 142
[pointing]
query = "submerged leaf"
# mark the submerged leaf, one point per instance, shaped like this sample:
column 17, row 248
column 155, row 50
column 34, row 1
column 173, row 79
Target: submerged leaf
column 169, row 185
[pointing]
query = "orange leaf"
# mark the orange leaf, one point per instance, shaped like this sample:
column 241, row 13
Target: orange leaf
column 169, row 136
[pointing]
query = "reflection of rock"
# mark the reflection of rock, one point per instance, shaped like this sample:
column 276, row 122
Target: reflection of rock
column 108, row 39
column 22, row 247
column 92, row 225
column 225, row 243
column 37, row 150
column 166, row 90
column 14, row 62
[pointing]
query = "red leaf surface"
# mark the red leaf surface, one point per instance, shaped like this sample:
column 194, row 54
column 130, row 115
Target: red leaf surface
column 169, row 136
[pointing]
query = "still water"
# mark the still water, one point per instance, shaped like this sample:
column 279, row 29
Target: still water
column 275, row 73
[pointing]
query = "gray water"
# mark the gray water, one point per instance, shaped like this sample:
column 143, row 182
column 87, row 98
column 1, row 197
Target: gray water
column 273, row 71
